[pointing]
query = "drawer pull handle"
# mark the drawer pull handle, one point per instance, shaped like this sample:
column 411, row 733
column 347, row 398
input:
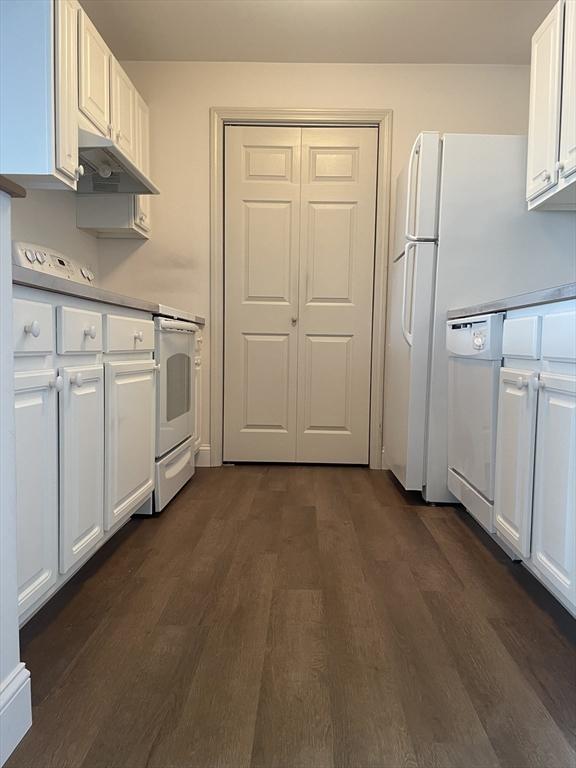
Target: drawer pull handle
column 139, row 335
column 77, row 379
column 57, row 383
column 521, row 383
column 90, row 331
column 33, row 328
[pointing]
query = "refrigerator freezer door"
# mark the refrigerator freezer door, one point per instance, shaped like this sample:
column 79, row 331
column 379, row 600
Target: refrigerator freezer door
column 411, row 288
column 420, row 206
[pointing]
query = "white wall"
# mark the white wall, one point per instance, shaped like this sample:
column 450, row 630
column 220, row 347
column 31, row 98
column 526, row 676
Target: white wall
column 173, row 266
column 49, row 218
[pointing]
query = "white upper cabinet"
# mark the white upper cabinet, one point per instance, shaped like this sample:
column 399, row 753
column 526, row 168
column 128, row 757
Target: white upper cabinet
column 567, row 164
column 39, row 93
column 554, row 511
column 551, row 132
column 142, row 203
column 123, row 111
column 142, row 135
column 67, row 87
column 94, row 85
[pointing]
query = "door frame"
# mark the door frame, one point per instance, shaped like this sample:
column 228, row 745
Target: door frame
column 223, row 116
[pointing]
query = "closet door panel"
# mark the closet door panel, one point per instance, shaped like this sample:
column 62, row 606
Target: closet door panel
column 262, row 218
column 338, row 216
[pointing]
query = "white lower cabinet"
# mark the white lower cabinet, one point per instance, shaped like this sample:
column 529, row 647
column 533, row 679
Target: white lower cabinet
column 81, row 462
column 515, row 458
column 554, row 511
column 130, row 435
column 36, row 484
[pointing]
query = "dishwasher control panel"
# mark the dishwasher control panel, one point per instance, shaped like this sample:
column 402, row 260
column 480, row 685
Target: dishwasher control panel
column 479, row 336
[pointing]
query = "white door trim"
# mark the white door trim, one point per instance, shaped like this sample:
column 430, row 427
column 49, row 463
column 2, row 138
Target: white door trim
column 221, row 116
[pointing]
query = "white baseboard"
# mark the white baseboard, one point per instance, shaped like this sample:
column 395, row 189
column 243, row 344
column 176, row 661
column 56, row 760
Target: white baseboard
column 15, row 710
column 384, row 464
column 203, row 456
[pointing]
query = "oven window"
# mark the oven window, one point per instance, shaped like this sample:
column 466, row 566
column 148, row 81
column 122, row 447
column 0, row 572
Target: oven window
column 178, row 385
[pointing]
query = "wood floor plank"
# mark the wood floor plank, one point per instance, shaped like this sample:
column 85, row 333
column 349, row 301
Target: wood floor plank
column 294, row 724
column 435, row 699
column 298, row 563
column 518, row 724
column 547, row 661
column 301, row 617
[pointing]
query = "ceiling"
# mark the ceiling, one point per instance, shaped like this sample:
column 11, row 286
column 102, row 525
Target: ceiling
column 343, row 31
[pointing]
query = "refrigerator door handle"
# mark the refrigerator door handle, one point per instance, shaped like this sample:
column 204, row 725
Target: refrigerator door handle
column 405, row 332
column 413, row 155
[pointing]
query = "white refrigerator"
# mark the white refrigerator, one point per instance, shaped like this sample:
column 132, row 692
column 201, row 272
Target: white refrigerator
column 462, row 236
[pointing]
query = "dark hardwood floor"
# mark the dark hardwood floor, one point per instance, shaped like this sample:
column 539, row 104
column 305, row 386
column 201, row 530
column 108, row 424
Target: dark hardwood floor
column 301, row 617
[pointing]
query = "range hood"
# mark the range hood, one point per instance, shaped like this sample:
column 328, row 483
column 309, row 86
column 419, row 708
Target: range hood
column 107, row 169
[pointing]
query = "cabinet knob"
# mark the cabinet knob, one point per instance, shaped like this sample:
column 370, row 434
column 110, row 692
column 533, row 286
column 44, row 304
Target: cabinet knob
column 90, row 332
column 293, row 320
column 546, row 176
column 57, row 383
column 77, row 379
column 559, row 166
column 521, row 383
column 33, row 328
column 138, row 336
column 537, row 384
column 197, row 363
column 79, row 172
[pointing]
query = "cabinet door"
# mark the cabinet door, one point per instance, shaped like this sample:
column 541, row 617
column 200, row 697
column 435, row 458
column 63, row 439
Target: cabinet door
column 567, row 164
column 142, row 157
column 142, row 212
column 515, row 458
column 554, row 525
column 130, row 436
column 36, row 432
column 81, row 463
column 123, row 111
column 94, row 75
column 197, row 402
column 543, row 129
column 67, row 87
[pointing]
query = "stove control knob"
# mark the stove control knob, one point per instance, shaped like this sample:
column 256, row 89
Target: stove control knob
column 30, row 255
column 40, row 257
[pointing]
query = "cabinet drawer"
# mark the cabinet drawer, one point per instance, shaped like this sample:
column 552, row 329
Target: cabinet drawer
column 33, row 327
column 78, row 330
column 559, row 337
column 128, row 334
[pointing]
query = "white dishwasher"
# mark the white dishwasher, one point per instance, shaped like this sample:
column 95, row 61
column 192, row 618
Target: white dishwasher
column 475, row 355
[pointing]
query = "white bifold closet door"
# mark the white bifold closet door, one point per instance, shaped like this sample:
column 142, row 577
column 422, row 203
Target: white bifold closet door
column 299, row 239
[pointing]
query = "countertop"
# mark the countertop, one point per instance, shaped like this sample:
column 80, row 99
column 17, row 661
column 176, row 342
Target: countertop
column 545, row 296
column 32, row 279
column 11, row 188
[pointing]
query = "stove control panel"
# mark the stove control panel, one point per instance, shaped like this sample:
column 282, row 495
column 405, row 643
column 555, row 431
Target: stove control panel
column 42, row 259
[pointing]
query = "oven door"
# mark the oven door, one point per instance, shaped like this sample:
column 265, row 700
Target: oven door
column 175, row 344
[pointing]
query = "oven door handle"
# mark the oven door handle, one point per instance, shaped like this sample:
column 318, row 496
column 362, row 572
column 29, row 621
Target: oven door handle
column 164, row 324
